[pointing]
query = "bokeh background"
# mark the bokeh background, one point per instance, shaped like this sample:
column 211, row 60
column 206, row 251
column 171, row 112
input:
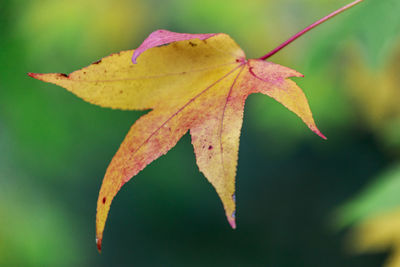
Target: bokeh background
column 301, row 201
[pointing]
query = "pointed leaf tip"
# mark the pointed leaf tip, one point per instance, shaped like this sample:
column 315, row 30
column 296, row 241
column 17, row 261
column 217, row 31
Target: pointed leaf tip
column 318, row 132
column 162, row 37
column 232, row 219
column 98, row 243
column 232, row 222
column 49, row 77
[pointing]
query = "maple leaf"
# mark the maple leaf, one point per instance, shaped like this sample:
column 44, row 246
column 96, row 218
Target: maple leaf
column 193, row 82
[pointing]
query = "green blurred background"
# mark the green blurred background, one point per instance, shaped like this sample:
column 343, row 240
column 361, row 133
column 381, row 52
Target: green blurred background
column 298, row 196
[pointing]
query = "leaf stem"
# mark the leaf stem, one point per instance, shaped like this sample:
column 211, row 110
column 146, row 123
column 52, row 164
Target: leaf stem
column 312, row 26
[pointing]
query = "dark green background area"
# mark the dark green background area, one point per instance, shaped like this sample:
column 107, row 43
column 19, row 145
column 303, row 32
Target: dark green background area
column 55, row 148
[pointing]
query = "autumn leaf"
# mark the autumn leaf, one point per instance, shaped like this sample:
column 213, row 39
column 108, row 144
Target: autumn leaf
column 196, row 85
column 190, row 82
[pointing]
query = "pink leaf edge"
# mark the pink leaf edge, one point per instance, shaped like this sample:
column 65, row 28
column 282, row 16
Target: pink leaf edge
column 161, row 37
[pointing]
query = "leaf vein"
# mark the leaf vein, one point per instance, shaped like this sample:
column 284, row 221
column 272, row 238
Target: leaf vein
column 182, row 108
column 155, row 76
column 222, row 120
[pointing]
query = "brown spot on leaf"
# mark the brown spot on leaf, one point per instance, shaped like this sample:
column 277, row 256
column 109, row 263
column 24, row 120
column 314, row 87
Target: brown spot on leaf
column 192, row 44
column 115, row 54
column 210, row 147
column 104, row 200
column 97, row 62
column 63, row 74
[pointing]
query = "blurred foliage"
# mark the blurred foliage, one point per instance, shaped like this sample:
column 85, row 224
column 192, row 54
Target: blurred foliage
column 52, row 28
column 54, row 147
column 374, row 25
column 379, row 197
column 376, row 94
column 377, row 234
column 376, row 216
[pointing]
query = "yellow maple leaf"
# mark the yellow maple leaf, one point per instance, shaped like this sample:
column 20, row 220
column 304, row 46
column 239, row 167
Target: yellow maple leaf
column 193, row 84
column 190, row 82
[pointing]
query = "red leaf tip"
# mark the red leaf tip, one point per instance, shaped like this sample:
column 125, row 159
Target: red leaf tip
column 318, row 132
column 33, row 75
column 98, row 243
column 232, row 222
